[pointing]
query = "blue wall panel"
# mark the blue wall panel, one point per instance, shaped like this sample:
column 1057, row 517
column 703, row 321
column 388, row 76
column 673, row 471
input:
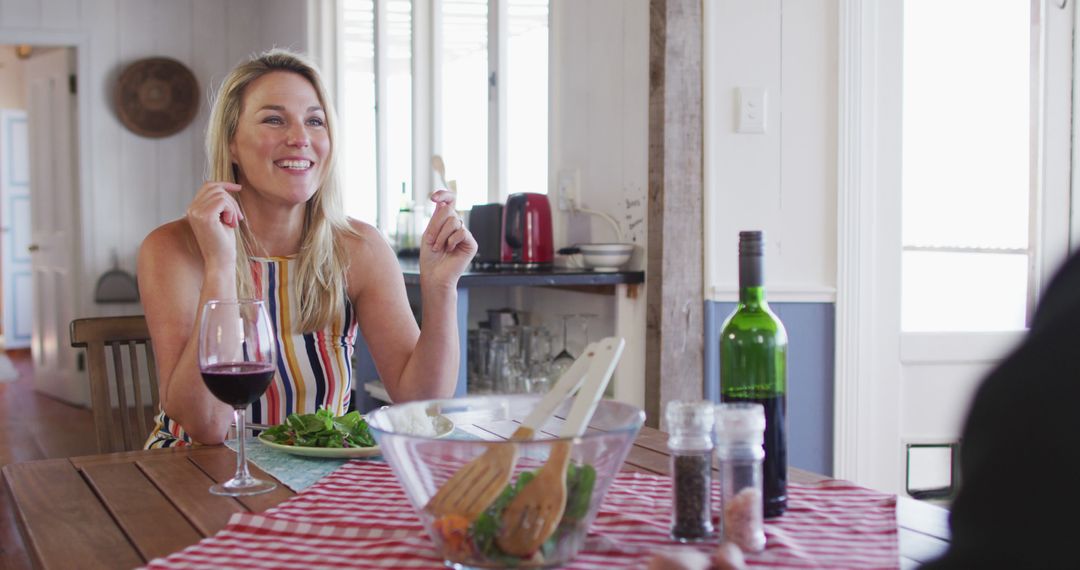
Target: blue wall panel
column 810, row 328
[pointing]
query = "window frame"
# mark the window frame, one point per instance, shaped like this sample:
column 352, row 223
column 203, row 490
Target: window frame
column 1044, row 228
column 869, row 383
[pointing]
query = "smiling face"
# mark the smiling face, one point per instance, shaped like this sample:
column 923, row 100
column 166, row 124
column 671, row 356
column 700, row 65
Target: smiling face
column 281, row 142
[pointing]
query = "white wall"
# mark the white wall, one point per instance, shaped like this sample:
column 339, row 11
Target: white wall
column 783, row 181
column 131, row 184
column 600, row 116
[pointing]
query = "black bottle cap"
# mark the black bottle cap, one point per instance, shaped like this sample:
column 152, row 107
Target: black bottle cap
column 752, row 242
column 751, row 259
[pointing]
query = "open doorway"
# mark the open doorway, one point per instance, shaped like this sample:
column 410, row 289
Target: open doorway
column 39, row 174
column 15, row 276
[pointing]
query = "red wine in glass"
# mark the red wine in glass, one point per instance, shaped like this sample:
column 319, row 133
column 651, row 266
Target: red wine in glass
column 238, row 384
column 237, row 361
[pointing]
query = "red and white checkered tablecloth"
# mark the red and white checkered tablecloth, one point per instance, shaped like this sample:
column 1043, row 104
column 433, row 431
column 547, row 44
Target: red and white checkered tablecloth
column 359, row 517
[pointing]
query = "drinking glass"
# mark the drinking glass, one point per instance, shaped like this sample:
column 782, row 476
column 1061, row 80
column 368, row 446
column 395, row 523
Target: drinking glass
column 538, row 368
column 236, row 359
column 563, row 359
column 503, row 364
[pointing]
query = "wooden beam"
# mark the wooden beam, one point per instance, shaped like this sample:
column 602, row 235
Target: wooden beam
column 674, row 319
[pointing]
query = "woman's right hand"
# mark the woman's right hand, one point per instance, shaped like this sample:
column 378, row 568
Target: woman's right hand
column 212, row 215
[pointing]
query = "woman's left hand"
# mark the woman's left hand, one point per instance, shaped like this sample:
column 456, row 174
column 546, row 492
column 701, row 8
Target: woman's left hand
column 448, row 247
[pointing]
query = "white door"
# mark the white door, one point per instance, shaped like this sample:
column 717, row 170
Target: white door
column 968, row 218
column 51, row 106
column 17, row 286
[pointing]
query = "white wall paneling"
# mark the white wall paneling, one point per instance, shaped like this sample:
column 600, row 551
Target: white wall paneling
column 782, row 181
column 599, row 86
column 283, row 24
column 19, row 13
column 138, row 156
column 130, row 184
column 61, row 14
column 599, row 112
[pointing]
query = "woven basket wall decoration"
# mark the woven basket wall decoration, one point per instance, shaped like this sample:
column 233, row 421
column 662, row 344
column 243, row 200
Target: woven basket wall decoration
column 156, row 97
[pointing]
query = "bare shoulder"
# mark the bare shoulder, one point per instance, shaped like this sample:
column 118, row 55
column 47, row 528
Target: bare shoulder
column 365, row 243
column 170, row 253
column 364, row 234
column 174, row 238
column 370, row 255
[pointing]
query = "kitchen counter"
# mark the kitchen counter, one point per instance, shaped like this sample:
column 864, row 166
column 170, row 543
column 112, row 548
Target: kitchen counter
column 623, row 284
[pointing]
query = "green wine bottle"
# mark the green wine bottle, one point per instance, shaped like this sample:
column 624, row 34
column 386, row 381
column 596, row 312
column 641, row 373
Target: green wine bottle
column 753, row 365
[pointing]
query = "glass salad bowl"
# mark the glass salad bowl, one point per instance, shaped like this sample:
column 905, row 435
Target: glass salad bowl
column 424, row 464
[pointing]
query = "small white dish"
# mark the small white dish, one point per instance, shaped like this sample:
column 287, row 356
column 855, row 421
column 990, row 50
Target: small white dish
column 443, row 427
column 605, row 257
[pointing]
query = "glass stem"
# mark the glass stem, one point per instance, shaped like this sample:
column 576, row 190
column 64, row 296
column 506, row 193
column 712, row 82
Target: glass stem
column 564, row 334
column 241, row 459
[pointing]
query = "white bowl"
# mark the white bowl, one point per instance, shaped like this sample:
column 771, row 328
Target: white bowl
column 605, row 256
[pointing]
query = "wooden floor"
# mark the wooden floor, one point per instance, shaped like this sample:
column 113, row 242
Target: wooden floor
column 33, row 426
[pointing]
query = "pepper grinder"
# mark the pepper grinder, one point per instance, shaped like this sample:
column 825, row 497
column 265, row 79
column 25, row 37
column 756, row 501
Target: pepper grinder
column 690, row 442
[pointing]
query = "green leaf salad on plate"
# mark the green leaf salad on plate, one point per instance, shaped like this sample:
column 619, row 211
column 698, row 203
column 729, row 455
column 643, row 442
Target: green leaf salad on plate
column 321, row 429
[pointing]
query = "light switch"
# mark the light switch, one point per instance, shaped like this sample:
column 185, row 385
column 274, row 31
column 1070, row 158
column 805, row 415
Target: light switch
column 751, row 109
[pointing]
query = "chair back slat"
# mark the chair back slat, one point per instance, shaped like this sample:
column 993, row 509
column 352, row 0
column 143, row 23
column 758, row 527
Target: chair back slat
column 95, row 334
column 151, row 370
column 136, row 389
column 121, row 395
column 99, row 395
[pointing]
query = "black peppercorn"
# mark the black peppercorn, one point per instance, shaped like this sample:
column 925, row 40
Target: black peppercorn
column 691, row 426
column 692, row 479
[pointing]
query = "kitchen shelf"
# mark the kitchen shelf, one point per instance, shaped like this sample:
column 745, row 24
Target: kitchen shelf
column 555, row 277
column 568, row 279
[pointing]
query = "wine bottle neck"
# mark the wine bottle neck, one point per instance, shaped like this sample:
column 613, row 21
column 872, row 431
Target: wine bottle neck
column 751, row 279
column 752, row 295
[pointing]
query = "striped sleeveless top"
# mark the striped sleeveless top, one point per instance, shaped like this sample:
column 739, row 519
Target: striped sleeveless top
column 314, row 370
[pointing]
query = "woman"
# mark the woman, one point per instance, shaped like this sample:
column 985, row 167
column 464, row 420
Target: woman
column 269, row 224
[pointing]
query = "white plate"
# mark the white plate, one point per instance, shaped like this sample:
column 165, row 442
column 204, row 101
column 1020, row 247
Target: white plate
column 443, row 427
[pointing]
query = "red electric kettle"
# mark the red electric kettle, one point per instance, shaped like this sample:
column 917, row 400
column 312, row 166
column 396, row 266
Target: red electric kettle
column 527, row 241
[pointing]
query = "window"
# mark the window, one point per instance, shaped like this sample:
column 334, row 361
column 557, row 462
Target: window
column 527, row 97
column 466, row 80
column 465, row 98
column 967, row 156
column 356, row 156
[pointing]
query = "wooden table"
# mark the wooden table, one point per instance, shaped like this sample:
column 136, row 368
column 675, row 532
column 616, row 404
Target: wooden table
column 120, row 510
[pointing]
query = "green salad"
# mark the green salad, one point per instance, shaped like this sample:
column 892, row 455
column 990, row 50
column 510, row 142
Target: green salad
column 322, row 429
column 474, row 542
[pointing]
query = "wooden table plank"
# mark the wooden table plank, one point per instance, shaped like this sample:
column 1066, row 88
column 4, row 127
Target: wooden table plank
column 649, row 460
column 64, row 524
column 222, row 466
column 140, row 454
column 653, row 439
column 187, row 487
column 150, row 521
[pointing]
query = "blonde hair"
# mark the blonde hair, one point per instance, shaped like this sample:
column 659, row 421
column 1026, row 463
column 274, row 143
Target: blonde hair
column 322, row 260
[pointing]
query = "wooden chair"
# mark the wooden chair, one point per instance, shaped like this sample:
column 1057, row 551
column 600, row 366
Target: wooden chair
column 101, row 333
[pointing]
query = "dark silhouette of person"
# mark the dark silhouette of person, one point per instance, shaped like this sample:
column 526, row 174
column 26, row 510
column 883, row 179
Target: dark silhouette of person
column 1019, row 498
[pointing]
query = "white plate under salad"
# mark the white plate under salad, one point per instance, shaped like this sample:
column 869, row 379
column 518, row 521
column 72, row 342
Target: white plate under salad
column 443, row 427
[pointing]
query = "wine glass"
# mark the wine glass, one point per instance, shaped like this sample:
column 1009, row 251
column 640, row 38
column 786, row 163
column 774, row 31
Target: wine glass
column 236, row 359
column 538, row 367
column 563, row 360
column 585, row 318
